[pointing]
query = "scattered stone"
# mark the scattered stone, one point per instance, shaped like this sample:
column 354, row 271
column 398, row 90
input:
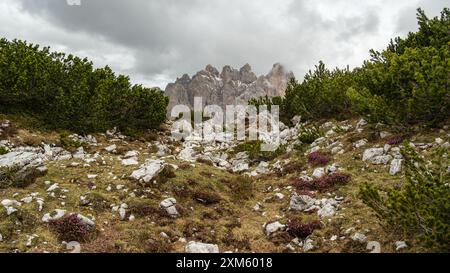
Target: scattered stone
column 149, row 170
column 384, row 135
column 131, row 154
column 85, row 220
column 296, row 120
column 187, row 154
column 130, row 161
column 24, row 166
column 195, row 247
column 279, row 195
column 308, row 245
column 92, row 176
column 381, row 160
column 318, row 173
column 163, row 150
column 360, row 143
column 396, row 166
column 327, row 210
column 263, row 168
column 359, row 237
column 52, row 216
column 53, row 187
column 374, row 246
column 439, row 141
column 302, row 203
column 169, row 205
column 399, row 245
column 10, row 206
column 30, row 239
column 361, row 123
column 240, row 167
column 27, row 200
column 274, row 227
column 111, row 148
column 123, row 211
column 369, row 154
column 89, row 139
column 257, row 207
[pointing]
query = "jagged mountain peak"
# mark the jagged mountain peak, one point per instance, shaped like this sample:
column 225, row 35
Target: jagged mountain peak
column 231, row 86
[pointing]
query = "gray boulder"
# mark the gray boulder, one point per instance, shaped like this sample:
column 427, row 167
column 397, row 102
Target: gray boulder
column 22, row 168
column 195, row 247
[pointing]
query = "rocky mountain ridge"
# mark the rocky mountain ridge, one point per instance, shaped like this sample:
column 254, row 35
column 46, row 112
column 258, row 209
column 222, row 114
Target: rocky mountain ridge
column 229, row 87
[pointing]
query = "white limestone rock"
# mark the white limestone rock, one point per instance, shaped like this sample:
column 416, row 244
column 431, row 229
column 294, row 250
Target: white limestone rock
column 301, row 203
column 274, row 227
column 54, row 215
column 149, row 170
column 396, row 166
column 201, row 248
column 169, row 205
column 26, row 166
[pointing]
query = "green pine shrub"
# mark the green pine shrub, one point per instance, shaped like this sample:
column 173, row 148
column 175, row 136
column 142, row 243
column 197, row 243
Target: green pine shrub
column 321, row 95
column 253, row 148
column 309, row 135
column 421, row 207
column 406, row 84
column 3, row 150
column 67, row 92
column 405, row 89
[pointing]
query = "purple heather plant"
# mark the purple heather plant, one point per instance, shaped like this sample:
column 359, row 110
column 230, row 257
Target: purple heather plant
column 71, row 228
column 321, row 184
column 318, row 159
column 297, row 229
column 395, row 140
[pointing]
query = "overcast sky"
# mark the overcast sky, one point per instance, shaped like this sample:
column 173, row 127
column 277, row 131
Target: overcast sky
column 156, row 41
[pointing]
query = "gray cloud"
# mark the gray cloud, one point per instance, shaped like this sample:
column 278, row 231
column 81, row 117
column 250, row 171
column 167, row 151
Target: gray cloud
column 407, row 17
column 156, row 41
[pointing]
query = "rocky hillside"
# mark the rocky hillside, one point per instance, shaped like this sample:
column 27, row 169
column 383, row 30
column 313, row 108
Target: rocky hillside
column 110, row 193
column 231, row 86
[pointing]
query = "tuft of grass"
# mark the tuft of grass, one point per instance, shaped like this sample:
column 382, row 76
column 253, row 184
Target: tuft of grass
column 167, row 173
column 291, row 167
column 242, row 188
column 67, row 143
column 95, row 200
column 9, row 177
column 253, row 148
column 309, row 135
column 207, row 197
column 3, row 150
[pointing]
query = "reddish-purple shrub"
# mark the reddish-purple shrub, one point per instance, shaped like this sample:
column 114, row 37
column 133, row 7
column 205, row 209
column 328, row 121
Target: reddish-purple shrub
column 395, row 140
column 71, row 228
column 297, row 229
column 318, row 159
column 321, row 184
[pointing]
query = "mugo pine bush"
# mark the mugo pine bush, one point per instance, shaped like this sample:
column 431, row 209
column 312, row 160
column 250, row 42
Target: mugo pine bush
column 67, row 92
column 408, row 83
column 421, row 207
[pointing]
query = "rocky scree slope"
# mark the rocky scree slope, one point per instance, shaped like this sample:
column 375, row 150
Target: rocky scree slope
column 111, row 193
